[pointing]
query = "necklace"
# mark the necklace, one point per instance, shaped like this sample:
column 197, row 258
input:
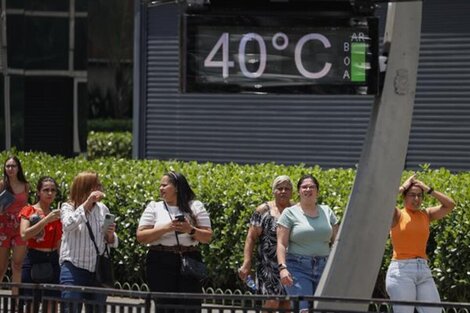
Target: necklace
column 311, row 212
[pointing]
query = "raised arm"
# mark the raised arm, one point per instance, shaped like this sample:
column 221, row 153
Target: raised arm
column 396, row 213
column 27, row 231
column 446, row 203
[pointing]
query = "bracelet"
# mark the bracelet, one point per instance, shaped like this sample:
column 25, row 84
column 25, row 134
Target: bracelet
column 430, row 191
column 282, row 266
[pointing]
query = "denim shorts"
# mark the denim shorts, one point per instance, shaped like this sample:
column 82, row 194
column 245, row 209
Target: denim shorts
column 306, row 272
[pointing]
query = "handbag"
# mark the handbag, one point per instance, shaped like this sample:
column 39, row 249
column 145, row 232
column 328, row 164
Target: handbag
column 42, row 272
column 190, row 267
column 104, row 271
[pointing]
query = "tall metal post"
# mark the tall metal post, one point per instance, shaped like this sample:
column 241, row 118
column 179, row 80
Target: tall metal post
column 6, row 77
column 356, row 257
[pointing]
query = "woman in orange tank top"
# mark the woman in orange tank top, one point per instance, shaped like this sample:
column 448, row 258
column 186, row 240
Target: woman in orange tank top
column 10, row 238
column 409, row 277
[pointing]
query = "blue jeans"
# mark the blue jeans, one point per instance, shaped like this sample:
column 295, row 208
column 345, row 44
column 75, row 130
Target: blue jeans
column 74, row 276
column 411, row 280
column 306, row 272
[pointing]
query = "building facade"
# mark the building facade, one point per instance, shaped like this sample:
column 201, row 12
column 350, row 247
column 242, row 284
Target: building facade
column 324, row 130
column 43, row 82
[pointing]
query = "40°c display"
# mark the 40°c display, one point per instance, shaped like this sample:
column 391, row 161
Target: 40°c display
column 354, row 61
column 306, row 58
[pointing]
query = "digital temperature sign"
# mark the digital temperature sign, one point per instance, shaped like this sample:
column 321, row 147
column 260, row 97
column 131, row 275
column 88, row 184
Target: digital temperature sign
column 279, row 54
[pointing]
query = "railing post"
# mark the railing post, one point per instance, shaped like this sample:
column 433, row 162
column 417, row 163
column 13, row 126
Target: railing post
column 148, row 303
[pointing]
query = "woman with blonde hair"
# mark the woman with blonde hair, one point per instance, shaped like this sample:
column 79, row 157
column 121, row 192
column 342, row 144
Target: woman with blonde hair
column 83, row 210
column 263, row 229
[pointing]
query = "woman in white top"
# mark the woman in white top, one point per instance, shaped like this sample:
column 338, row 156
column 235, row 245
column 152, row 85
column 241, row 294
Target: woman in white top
column 159, row 225
column 77, row 251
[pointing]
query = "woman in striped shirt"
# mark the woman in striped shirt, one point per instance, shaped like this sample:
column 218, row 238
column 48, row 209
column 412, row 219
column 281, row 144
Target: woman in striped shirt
column 77, row 252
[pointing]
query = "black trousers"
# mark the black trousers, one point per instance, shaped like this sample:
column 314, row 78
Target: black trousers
column 163, row 275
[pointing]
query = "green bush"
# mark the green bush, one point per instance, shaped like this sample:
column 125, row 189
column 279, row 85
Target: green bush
column 110, row 125
column 115, row 144
column 232, row 191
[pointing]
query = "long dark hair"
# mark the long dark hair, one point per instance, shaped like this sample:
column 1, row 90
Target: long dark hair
column 184, row 193
column 19, row 174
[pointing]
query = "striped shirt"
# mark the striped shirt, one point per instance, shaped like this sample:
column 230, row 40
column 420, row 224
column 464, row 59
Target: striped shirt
column 77, row 246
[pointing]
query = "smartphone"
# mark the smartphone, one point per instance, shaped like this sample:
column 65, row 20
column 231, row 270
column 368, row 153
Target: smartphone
column 179, row 217
column 108, row 220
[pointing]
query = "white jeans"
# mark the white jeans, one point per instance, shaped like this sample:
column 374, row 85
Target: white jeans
column 411, row 280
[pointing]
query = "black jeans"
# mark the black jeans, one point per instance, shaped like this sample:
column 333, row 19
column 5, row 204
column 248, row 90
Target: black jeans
column 163, row 275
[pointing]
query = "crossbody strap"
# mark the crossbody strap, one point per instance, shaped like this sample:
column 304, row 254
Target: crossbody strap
column 92, row 237
column 176, row 235
column 106, row 251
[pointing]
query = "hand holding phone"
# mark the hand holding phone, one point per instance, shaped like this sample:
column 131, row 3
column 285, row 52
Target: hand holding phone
column 179, row 217
column 108, row 220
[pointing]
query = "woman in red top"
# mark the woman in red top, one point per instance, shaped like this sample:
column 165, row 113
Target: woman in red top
column 41, row 227
column 10, row 239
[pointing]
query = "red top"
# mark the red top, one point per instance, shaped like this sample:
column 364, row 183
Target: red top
column 52, row 231
column 21, row 199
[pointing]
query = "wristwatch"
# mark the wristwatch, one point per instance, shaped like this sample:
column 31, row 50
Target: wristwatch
column 193, row 231
column 282, row 266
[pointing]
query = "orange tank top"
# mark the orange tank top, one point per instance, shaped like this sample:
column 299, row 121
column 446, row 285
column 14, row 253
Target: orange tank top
column 410, row 235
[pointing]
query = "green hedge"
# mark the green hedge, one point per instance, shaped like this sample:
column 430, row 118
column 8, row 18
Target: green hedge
column 231, row 192
column 109, row 144
column 110, row 125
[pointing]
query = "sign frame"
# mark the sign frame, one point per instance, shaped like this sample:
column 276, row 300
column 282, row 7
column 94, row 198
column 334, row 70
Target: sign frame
column 198, row 28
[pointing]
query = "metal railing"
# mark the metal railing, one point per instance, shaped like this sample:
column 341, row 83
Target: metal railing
column 129, row 301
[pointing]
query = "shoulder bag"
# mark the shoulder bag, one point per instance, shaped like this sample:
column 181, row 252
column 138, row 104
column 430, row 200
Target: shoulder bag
column 43, row 272
column 190, row 267
column 104, row 272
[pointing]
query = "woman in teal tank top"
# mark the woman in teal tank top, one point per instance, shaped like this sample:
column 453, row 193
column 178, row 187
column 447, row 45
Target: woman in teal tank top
column 304, row 235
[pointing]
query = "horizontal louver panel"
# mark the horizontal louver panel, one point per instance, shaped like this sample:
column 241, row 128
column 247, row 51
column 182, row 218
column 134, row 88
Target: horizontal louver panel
column 324, row 130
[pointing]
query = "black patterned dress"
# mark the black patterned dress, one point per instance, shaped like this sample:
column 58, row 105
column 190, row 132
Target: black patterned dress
column 267, row 272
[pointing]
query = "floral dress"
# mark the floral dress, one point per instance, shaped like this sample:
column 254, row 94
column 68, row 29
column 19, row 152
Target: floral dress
column 267, row 272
